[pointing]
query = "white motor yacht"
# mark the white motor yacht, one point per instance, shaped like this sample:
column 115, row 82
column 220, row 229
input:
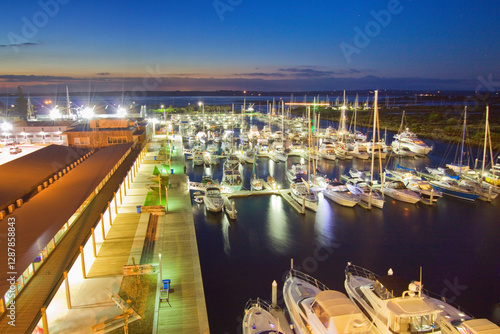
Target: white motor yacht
column 398, row 191
column 327, row 151
column 198, row 159
column 302, row 194
column 366, row 193
column 340, row 194
column 213, row 199
column 296, row 172
column 258, row 319
column 313, row 308
column 399, row 307
column 412, row 142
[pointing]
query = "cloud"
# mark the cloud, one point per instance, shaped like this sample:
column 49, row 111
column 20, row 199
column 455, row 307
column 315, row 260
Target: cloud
column 260, row 74
column 307, row 72
column 34, row 78
column 257, row 81
column 103, row 73
column 18, row 45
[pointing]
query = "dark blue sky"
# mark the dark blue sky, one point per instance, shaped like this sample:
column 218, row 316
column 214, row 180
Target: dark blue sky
column 249, row 45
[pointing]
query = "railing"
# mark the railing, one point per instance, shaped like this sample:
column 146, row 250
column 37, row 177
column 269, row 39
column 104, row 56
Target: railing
column 354, row 270
column 258, row 303
column 307, row 278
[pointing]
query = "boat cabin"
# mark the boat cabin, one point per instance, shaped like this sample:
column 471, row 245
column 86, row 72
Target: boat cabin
column 408, row 311
column 337, row 313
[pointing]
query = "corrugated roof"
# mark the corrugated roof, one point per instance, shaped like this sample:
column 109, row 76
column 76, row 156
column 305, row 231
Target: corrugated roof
column 21, row 176
column 43, row 216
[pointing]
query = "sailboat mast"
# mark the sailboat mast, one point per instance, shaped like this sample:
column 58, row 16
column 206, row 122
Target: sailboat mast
column 68, row 103
column 486, row 130
column 375, row 115
column 463, row 141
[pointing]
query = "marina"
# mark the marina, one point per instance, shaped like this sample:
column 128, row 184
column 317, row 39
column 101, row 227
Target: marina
column 270, row 228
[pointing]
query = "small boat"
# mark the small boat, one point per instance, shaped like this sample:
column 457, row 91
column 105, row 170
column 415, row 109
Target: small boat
column 198, row 159
column 213, row 199
column 451, row 187
column 397, row 306
column 327, row 151
column 316, row 309
column 258, row 319
column 366, row 193
column 342, row 153
column 360, row 151
column 296, row 172
column 272, row 183
column 340, row 194
column 398, row 191
column 302, row 194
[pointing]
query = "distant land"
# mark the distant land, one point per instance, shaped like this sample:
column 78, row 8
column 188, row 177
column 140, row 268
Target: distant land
column 441, row 93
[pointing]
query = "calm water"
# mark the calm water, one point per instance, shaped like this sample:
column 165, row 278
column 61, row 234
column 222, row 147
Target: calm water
column 456, row 243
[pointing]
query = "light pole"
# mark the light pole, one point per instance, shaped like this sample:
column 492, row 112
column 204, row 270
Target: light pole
column 163, row 109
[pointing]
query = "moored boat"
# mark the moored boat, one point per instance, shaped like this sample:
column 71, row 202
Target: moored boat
column 313, row 308
column 213, row 199
column 302, row 194
column 398, row 191
column 258, row 319
column 396, row 306
column 340, row 194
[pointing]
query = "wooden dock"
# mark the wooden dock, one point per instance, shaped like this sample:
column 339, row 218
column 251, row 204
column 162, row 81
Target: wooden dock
column 286, row 195
column 229, row 208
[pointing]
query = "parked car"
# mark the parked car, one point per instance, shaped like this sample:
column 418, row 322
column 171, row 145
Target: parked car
column 15, row 150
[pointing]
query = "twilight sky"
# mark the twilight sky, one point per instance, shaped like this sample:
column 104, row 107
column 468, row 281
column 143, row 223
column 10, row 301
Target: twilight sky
column 249, row 45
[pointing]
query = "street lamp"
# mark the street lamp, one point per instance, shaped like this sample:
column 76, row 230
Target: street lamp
column 163, row 109
column 121, row 112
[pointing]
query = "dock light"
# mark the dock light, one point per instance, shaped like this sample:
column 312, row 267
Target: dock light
column 121, row 112
column 88, row 113
column 55, row 113
column 6, row 127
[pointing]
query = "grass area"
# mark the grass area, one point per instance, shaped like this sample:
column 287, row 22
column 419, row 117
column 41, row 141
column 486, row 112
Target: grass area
column 141, row 291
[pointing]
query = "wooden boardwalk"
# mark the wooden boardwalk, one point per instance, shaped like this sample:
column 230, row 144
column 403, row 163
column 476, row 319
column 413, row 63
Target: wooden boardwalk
column 180, row 261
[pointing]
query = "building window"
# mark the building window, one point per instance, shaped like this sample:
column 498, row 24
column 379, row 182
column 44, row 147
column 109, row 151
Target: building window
column 82, row 141
column 117, row 140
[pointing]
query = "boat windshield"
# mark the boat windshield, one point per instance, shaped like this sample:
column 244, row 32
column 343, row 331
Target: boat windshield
column 416, row 324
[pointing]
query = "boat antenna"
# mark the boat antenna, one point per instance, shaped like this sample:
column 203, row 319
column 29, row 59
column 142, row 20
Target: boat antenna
column 291, row 263
column 420, row 287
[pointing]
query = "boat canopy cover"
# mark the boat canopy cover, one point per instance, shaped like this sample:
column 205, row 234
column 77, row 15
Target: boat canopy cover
column 411, row 307
column 340, row 310
column 335, row 303
column 481, row 326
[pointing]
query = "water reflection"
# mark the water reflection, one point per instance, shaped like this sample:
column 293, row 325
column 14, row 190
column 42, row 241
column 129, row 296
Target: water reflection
column 278, row 229
column 225, row 233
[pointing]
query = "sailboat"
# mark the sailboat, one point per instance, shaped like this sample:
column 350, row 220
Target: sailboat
column 363, row 188
column 255, row 183
column 452, row 187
